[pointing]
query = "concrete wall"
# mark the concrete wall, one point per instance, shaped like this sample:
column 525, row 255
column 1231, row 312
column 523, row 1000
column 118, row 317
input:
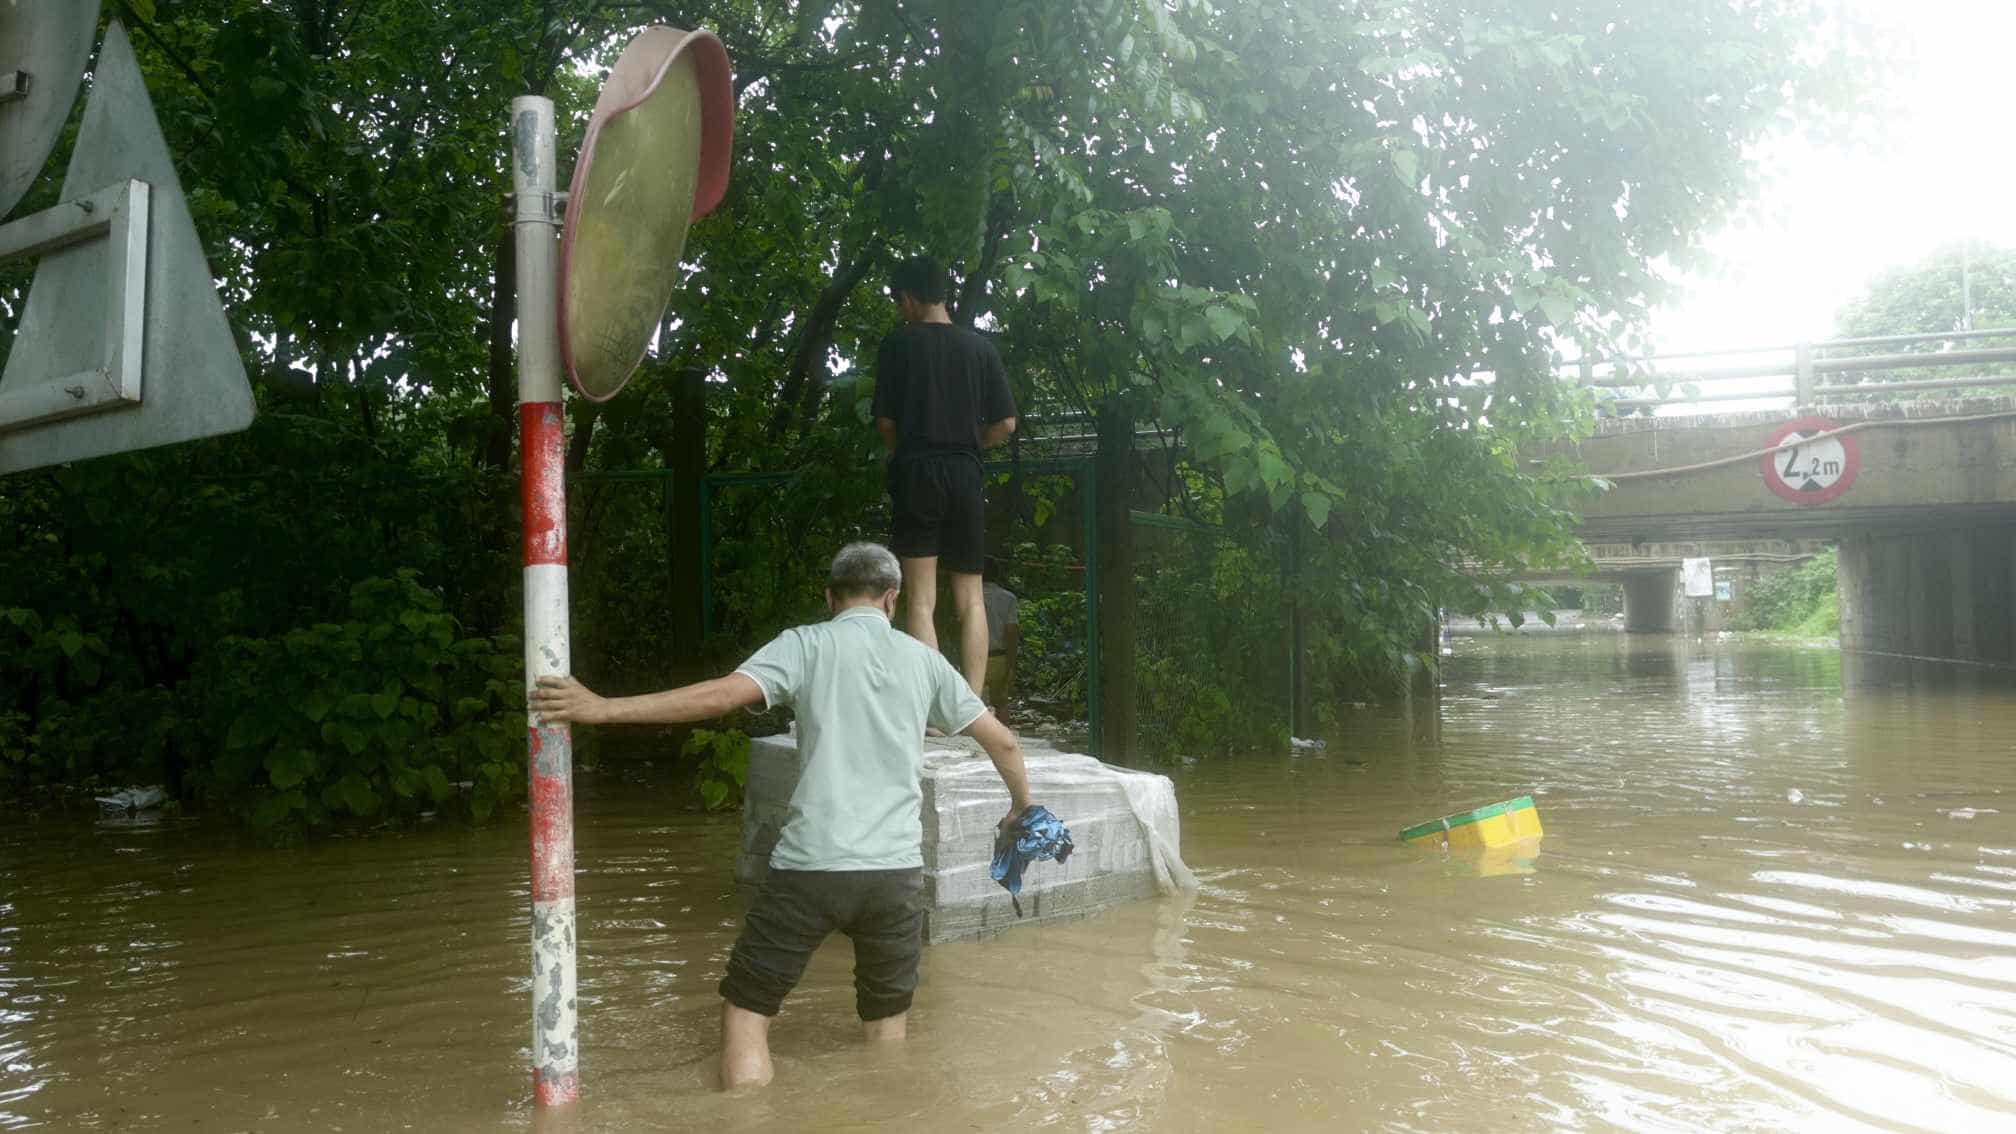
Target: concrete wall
column 1943, row 593
column 1650, row 602
column 1909, row 463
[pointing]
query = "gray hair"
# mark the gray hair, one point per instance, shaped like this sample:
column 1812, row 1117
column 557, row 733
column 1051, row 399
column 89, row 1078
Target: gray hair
column 864, row 570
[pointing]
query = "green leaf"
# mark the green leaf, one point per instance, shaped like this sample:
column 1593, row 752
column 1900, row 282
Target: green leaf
column 1317, row 504
column 1407, row 164
column 272, row 809
column 1273, row 471
column 246, row 731
column 1224, row 321
column 438, row 786
column 358, row 794
column 288, row 767
column 385, row 703
column 1153, row 329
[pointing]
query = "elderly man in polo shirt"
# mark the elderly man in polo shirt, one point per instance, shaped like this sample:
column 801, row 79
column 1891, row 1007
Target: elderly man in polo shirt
column 850, row 856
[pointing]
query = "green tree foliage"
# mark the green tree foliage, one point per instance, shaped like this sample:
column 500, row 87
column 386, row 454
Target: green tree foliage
column 1328, row 249
column 1803, row 599
column 1926, row 297
column 1958, row 287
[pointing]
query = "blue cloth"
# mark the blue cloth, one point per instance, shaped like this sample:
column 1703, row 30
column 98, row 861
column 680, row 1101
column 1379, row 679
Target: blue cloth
column 1035, row 834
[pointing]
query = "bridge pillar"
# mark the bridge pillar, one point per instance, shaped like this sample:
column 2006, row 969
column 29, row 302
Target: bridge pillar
column 1948, row 594
column 1649, row 601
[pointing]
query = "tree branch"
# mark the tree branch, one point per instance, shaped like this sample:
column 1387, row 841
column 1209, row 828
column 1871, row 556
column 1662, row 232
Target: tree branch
column 1000, row 211
column 801, row 391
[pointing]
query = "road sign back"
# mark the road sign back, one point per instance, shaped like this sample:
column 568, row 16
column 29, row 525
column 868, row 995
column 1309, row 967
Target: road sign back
column 122, row 343
column 43, row 47
column 654, row 160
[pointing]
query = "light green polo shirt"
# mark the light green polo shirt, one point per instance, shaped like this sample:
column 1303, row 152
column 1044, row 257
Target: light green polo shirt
column 863, row 692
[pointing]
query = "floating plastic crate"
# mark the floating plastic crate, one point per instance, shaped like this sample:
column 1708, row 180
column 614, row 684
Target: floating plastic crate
column 1500, row 825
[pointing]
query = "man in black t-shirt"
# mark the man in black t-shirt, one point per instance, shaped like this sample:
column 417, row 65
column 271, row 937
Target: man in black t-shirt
column 941, row 396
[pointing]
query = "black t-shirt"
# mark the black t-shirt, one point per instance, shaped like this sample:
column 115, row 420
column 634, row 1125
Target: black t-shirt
column 940, row 383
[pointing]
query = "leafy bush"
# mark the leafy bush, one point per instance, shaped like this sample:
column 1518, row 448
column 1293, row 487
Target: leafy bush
column 1211, row 668
column 1803, row 599
column 83, row 742
column 723, row 758
column 386, row 715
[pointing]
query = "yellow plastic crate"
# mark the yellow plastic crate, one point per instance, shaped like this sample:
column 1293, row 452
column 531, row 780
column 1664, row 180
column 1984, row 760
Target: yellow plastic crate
column 1499, row 825
column 1522, row 857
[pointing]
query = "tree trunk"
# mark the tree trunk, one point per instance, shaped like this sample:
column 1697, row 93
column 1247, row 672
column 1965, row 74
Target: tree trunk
column 503, row 377
column 974, row 287
column 800, row 395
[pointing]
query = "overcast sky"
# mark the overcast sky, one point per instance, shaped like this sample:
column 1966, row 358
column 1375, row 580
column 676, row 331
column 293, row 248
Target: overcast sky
column 1832, row 217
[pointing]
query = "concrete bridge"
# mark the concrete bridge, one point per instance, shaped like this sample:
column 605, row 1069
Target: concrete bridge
column 1920, row 496
column 1649, row 573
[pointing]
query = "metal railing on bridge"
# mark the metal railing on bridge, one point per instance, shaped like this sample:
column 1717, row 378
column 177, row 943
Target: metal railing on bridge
column 1807, row 373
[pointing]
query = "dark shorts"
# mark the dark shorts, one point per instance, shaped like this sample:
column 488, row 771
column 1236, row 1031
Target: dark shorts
column 939, row 509
column 882, row 911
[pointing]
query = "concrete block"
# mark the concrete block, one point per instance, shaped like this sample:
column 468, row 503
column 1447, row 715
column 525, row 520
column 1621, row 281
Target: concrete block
column 1123, row 824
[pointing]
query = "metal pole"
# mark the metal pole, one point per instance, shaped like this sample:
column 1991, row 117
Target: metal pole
column 1095, row 662
column 542, row 435
column 705, row 488
column 1966, row 285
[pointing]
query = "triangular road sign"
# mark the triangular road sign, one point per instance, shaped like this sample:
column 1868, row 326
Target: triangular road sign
column 73, row 388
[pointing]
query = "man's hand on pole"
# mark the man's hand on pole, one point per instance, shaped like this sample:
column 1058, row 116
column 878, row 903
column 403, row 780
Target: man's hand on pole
column 563, row 700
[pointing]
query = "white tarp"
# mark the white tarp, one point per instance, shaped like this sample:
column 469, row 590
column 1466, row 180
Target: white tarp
column 1699, row 577
column 1124, row 827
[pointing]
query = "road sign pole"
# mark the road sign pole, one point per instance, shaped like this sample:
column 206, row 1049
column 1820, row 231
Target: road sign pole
column 543, row 445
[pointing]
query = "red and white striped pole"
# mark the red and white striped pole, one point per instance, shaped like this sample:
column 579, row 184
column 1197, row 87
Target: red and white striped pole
column 556, row 1055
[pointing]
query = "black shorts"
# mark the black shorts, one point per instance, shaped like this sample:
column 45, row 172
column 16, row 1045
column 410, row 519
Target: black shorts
column 939, row 509
column 882, row 911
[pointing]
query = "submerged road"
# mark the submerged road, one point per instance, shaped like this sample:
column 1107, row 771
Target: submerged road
column 1767, row 899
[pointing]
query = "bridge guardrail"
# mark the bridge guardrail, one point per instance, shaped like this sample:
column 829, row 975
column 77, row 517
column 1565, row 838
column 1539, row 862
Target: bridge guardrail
column 1805, row 368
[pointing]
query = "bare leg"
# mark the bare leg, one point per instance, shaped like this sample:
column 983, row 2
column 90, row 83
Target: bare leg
column 966, row 599
column 745, row 1048
column 886, row 1029
column 920, row 601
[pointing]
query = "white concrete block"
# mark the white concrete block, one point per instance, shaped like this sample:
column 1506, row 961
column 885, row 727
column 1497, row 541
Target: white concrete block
column 1123, row 824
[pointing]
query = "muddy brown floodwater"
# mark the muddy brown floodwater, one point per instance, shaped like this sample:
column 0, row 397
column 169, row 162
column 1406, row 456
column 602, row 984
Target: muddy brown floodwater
column 1765, row 902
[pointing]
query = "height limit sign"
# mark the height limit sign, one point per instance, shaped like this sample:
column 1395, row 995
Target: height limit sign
column 1809, row 461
